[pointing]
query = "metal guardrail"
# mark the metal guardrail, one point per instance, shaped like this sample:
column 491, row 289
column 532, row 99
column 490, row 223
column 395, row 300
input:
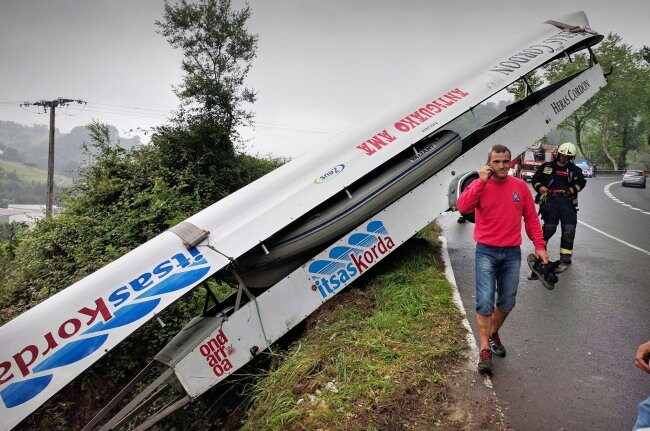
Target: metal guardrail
column 610, row 172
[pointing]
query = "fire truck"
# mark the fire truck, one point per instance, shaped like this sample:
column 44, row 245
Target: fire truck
column 532, row 158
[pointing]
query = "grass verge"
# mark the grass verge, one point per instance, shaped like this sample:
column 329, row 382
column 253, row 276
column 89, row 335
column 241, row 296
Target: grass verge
column 376, row 356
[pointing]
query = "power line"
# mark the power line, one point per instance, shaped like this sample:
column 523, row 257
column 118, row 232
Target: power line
column 150, row 113
column 129, row 107
column 111, row 111
column 102, row 108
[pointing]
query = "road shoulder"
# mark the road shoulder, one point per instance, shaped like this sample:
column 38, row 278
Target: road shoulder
column 471, row 402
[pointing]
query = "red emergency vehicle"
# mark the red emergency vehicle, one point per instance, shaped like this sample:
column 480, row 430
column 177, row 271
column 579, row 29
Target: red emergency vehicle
column 532, row 158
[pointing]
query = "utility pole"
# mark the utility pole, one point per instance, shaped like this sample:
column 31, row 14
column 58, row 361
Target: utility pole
column 52, row 104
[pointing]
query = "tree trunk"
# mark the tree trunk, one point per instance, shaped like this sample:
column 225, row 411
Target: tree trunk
column 577, row 127
column 605, row 129
column 611, row 159
column 626, row 138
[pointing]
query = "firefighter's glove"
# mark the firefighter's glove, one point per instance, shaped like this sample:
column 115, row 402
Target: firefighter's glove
column 542, row 199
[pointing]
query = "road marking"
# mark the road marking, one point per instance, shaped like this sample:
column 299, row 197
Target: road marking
column 617, row 200
column 616, row 239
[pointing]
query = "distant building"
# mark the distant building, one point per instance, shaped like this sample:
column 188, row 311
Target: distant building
column 24, row 213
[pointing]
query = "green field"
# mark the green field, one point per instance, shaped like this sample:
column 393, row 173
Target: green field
column 31, row 174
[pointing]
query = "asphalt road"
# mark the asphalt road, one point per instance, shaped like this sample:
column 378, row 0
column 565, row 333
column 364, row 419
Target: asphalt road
column 570, row 350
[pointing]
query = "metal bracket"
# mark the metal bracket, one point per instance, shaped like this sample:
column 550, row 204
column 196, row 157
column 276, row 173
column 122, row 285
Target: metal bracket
column 570, row 28
column 242, row 287
column 189, row 234
column 115, row 401
column 141, row 401
column 592, row 57
column 529, row 89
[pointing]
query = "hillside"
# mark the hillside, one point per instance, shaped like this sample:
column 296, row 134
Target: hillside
column 29, row 145
column 31, row 174
column 22, row 184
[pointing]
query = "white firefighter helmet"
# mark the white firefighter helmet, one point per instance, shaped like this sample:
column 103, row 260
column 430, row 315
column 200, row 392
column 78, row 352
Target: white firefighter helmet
column 568, row 149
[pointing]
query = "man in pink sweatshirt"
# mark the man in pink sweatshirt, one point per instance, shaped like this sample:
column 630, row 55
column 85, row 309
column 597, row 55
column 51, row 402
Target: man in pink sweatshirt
column 499, row 202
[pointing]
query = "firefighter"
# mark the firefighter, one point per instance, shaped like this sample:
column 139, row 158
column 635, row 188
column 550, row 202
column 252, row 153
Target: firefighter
column 557, row 184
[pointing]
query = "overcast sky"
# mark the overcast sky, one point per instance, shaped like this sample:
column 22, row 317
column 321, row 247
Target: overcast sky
column 321, row 66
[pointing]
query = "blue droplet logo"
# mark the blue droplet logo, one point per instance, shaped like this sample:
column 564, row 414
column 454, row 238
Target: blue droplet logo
column 377, row 227
column 343, row 253
column 362, row 239
column 125, row 315
column 20, row 392
column 324, row 266
column 176, row 282
column 72, row 352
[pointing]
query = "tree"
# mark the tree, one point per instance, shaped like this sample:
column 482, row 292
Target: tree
column 198, row 149
column 621, row 113
column 645, row 53
column 11, row 154
column 612, row 122
column 530, row 83
column 217, row 55
column 9, row 233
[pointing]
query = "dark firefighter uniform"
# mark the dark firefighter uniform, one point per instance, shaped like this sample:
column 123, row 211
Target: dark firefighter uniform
column 560, row 204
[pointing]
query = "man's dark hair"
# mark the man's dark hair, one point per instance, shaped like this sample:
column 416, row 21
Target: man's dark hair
column 499, row 149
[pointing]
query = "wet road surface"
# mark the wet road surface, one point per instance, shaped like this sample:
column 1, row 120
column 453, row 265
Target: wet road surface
column 570, row 350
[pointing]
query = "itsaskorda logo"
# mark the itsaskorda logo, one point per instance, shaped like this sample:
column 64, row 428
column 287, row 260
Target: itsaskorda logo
column 331, row 173
column 345, row 262
column 80, row 333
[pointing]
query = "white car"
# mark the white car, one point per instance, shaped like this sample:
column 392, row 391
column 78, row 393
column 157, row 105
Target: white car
column 634, row 177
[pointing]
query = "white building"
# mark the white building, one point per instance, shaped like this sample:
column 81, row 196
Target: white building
column 24, row 213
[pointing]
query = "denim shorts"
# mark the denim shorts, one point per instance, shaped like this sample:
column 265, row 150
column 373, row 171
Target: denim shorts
column 497, row 274
column 643, row 420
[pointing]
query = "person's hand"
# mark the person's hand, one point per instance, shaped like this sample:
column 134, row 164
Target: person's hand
column 641, row 357
column 485, row 173
column 543, row 255
column 543, row 190
column 571, row 191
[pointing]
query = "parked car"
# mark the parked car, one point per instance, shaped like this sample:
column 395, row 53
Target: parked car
column 634, row 177
column 586, row 170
